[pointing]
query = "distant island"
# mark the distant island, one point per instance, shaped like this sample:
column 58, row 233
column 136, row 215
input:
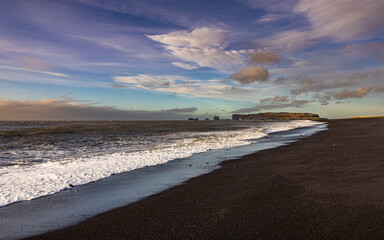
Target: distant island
column 277, row 116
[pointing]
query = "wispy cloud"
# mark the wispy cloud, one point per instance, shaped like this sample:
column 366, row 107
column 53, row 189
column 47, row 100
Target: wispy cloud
column 273, row 105
column 316, row 85
column 326, row 82
column 270, row 18
column 335, row 18
column 323, row 99
column 356, row 93
column 275, row 99
column 271, row 5
column 156, row 81
column 181, row 110
column 65, row 108
column 212, row 88
column 36, row 71
column 330, row 21
column 199, row 38
column 184, row 65
column 372, row 48
column 203, row 46
column 166, row 11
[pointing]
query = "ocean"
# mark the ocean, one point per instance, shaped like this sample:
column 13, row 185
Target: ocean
column 42, row 158
column 39, row 159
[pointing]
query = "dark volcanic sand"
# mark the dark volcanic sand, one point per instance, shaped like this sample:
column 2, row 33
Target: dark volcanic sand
column 328, row 186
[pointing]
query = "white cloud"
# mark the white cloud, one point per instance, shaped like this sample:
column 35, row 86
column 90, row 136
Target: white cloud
column 203, row 46
column 226, row 61
column 148, row 81
column 199, row 38
column 184, row 65
column 213, row 88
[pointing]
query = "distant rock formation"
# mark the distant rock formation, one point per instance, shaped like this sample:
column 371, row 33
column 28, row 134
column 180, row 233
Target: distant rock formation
column 277, row 116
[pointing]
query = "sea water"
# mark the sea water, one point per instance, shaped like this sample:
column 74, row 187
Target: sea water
column 43, row 158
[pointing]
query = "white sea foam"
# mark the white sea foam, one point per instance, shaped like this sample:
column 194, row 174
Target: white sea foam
column 25, row 182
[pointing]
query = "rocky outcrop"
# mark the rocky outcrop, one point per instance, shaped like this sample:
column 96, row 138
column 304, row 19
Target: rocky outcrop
column 277, row 116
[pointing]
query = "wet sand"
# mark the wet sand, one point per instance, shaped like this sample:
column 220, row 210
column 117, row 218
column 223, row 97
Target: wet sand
column 328, row 186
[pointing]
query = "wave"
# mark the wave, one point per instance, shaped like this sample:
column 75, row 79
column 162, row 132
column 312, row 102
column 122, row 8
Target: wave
column 26, row 182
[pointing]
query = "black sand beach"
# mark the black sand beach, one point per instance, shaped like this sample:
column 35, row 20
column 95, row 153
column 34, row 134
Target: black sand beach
column 328, row 186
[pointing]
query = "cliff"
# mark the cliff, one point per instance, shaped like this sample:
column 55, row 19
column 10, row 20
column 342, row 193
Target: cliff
column 277, row 116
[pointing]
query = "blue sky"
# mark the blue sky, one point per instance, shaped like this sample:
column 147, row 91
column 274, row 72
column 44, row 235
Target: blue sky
column 155, row 59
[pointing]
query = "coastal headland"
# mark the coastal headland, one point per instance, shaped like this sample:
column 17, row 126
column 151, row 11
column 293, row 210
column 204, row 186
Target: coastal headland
column 327, row 186
column 277, row 116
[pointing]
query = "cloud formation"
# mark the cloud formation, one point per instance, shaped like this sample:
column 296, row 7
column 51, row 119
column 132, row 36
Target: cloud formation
column 293, row 103
column 371, row 48
column 316, row 85
column 275, row 99
column 174, row 84
column 290, row 40
column 321, row 83
column 251, row 74
column 65, row 108
column 344, row 20
column 335, row 21
column 181, row 110
column 198, row 38
column 35, row 71
column 273, row 5
column 270, row 18
column 184, row 65
column 264, row 57
column 356, row 93
column 148, row 81
column 203, row 46
column 322, row 99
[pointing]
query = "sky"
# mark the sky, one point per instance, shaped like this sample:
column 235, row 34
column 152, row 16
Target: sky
column 175, row 59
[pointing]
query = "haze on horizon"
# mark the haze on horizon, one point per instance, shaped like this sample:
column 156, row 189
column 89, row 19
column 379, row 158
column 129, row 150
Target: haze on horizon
column 169, row 59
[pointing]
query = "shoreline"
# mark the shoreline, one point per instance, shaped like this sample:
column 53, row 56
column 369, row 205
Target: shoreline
column 328, row 185
column 55, row 159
